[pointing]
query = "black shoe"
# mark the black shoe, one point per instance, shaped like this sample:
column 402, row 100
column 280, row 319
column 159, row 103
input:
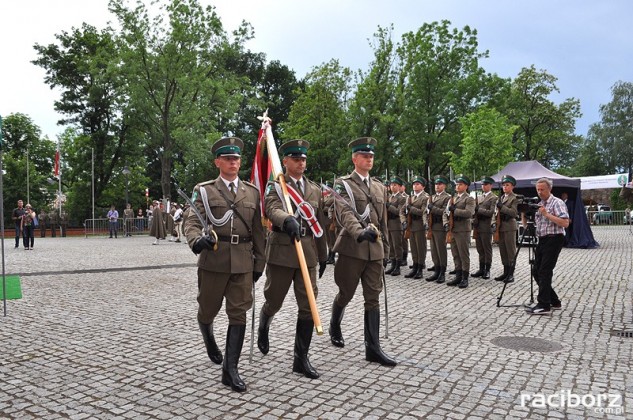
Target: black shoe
column 262, row 332
column 486, row 274
column 413, row 272
column 336, row 336
column 435, row 275
column 538, row 310
column 504, row 275
column 431, row 268
column 234, row 342
column 420, row 273
column 303, row 337
column 464, row 283
column 452, row 272
column 456, row 280
column 556, row 306
column 510, row 277
column 403, row 263
column 480, row 272
column 392, row 267
column 442, row 276
column 396, row 269
column 373, row 351
column 213, row 351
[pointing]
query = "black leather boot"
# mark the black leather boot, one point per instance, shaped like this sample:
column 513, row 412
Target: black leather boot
column 480, row 272
column 234, row 342
column 457, row 279
column 504, row 275
column 413, row 272
column 510, row 276
column 486, row 274
column 213, row 351
column 435, row 275
column 431, row 268
column 452, row 272
column 303, row 337
column 464, row 283
column 442, row 276
column 403, row 261
column 336, row 336
column 420, row 273
column 262, row 332
column 373, row 351
column 396, row 269
column 392, row 267
column 330, row 258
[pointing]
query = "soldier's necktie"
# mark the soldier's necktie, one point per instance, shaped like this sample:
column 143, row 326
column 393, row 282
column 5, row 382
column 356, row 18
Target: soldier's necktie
column 366, row 181
column 232, row 189
column 300, row 187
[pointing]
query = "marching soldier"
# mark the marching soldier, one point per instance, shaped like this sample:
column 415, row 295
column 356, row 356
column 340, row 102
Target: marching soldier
column 415, row 213
column 507, row 213
column 282, row 263
column 462, row 209
column 405, row 241
column 482, row 224
column 232, row 209
column 394, row 224
column 437, row 220
column 330, row 224
column 362, row 247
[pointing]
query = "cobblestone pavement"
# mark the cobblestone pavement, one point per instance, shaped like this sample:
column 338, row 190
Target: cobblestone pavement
column 107, row 328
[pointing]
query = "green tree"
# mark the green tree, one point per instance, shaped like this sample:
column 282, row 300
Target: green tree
column 179, row 87
column 319, row 116
column 614, row 132
column 545, row 130
column 483, row 131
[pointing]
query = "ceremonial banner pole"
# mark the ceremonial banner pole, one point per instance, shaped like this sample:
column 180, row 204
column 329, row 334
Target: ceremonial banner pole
column 278, row 174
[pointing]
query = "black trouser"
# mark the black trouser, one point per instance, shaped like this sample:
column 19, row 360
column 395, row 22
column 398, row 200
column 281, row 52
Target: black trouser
column 546, row 256
column 28, row 239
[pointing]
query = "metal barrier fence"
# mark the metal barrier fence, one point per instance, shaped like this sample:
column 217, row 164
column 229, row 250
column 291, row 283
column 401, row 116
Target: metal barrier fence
column 123, row 227
column 609, row 217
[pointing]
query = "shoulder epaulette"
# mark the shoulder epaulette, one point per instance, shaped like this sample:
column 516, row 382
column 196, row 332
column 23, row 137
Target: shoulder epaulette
column 206, row 183
column 314, row 183
column 250, row 184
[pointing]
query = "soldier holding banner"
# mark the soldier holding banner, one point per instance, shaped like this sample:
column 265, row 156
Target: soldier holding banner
column 282, row 264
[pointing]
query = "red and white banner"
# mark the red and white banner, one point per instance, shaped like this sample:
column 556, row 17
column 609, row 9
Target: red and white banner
column 262, row 171
column 56, row 168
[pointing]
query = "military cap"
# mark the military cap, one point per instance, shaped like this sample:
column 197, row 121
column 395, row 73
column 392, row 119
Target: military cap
column 462, row 179
column 487, row 180
column 510, row 179
column 363, row 145
column 396, row 180
column 228, row 146
column 295, row 148
column 441, row 179
column 419, row 179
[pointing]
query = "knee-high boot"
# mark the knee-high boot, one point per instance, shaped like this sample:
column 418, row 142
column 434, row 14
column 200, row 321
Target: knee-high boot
column 234, row 342
column 303, row 338
column 336, row 336
column 373, row 351
column 213, row 351
column 262, row 331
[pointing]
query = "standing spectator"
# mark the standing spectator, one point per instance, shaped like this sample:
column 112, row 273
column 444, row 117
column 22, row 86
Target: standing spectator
column 157, row 230
column 128, row 217
column 150, row 216
column 627, row 215
column 140, row 221
column 17, row 219
column 27, row 222
column 42, row 220
column 177, row 221
column 113, row 217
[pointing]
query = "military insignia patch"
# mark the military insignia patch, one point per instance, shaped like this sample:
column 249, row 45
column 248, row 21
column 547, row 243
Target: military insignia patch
column 269, row 188
column 338, row 188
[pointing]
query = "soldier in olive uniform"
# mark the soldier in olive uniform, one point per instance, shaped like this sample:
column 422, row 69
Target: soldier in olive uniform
column 362, row 246
column 414, row 211
column 330, row 224
column 507, row 209
column 53, row 220
column 394, row 224
column 282, row 263
column 438, row 220
column 128, row 219
column 232, row 209
column 484, row 212
column 63, row 222
column 462, row 209
column 42, row 219
column 405, row 241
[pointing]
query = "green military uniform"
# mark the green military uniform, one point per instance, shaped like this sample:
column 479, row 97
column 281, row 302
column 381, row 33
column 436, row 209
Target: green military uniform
column 227, row 273
column 405, row 241
column 53, row 221
column 394, row 224
column 282, row 263
column 507, row 209
column 415, row 213
column 361, row 246
column 438, row 218
column 128, row 220
column 482, row 223
column 462, row 209
column 42, row 219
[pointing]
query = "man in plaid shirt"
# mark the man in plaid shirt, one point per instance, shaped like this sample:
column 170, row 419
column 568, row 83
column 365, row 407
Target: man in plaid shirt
column 551, row 220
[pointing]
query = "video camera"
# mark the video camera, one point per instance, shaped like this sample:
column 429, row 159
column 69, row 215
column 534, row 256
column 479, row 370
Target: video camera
column 528, row 205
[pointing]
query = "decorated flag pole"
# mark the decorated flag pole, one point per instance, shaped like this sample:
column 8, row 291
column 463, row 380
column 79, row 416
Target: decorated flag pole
column 277, row 173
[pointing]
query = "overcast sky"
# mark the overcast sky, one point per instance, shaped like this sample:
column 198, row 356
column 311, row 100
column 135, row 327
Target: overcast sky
column 586, row 44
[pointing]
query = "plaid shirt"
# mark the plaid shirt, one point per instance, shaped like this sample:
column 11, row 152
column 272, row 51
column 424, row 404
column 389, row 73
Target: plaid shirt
column 556, row 207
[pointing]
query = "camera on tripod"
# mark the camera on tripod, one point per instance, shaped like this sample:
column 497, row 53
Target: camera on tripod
column 528, row 205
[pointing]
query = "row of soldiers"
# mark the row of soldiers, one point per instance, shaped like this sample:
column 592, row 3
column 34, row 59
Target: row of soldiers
column 54, row 221
column 224, row 228
column 445, row 219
